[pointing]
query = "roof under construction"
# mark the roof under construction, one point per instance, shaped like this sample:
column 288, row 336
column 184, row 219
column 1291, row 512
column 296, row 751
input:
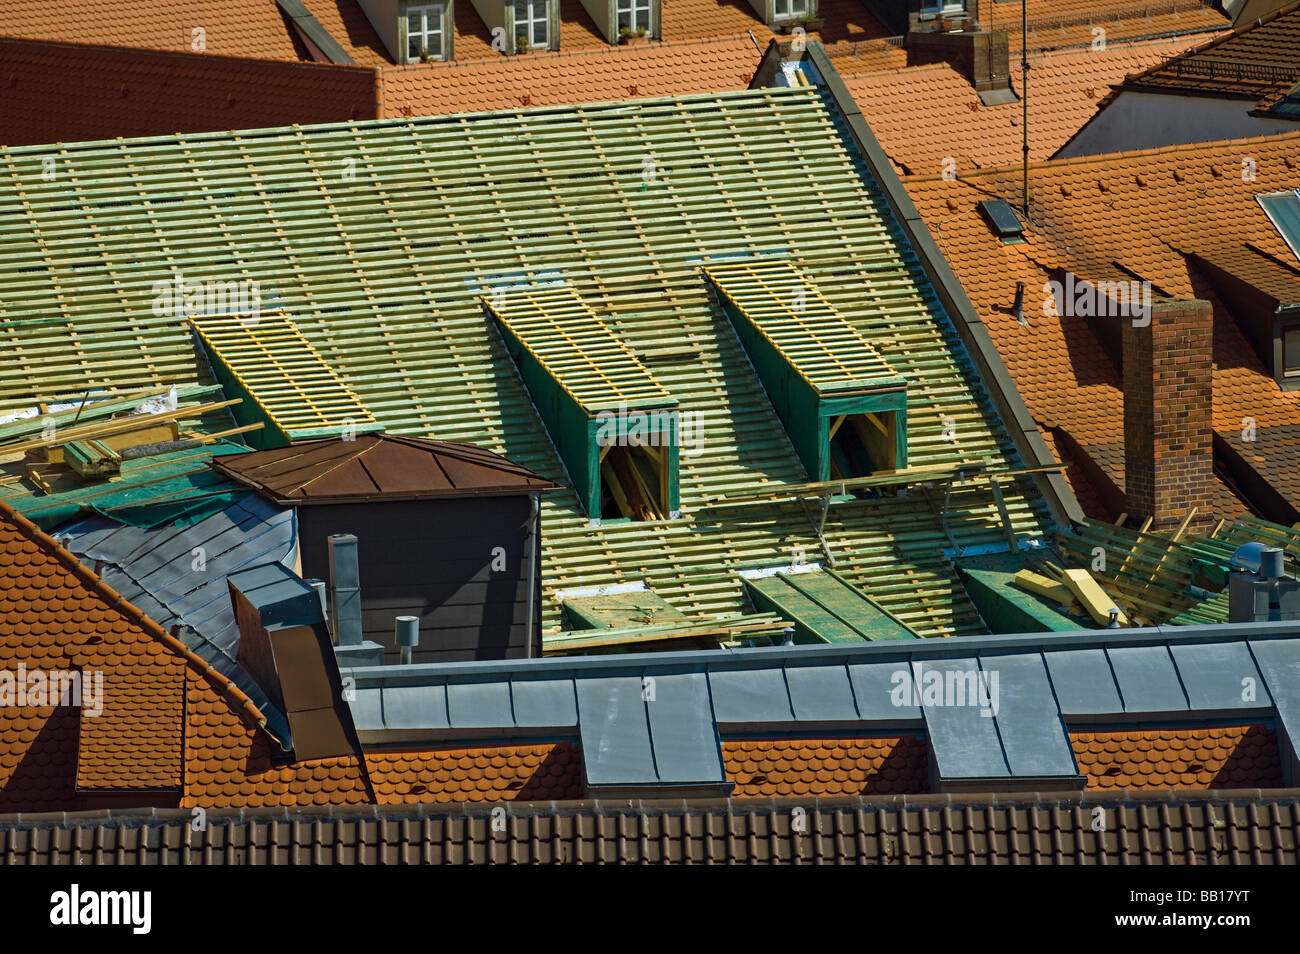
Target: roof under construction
column 378, row 241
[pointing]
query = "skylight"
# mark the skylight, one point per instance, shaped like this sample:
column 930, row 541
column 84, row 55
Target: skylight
column 1283, row 210
column 1002, row 219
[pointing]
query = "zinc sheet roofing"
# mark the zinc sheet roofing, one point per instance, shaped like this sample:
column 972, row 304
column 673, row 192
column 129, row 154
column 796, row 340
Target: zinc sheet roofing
column 378, row 238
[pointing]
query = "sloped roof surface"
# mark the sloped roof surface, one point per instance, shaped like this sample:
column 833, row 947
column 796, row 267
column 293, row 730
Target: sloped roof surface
column 254, row 28
column 382, row 273
column 1200, row 758
column 378, row 466
column 526, row 773
column 600, row 74
column 104, row 92
column 923, row 115
column 1061, row 24
column 826, row 768
column 1256, row 60
column 1146, row 211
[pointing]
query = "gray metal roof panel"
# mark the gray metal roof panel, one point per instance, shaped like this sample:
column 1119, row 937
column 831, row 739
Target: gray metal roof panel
column 1279, row 663
column 544, row 703
column 1033, row 735
column 964, row 743
column 1215, row 676
column 367, row 707
column 415, row 707
column 682, row 731
column 874, row 686
column 615, row 731
column 821, row 693
column 750, row 696
column 1147, row 678
column 479, row 703
column 1083, row 681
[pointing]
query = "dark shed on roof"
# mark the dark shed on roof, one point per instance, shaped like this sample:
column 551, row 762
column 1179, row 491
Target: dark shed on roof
column 445, row 532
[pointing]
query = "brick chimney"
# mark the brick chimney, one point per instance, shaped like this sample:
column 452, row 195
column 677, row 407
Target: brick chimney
column 1168, row 437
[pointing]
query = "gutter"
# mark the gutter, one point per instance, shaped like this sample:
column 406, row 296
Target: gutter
column 1010, row 406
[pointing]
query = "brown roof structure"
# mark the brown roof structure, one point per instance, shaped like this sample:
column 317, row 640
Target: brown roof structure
column 1183, row 828
column 377, row 466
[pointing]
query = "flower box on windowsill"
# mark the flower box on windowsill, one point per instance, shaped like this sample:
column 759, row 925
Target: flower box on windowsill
column 807, row 24
column 627, row 36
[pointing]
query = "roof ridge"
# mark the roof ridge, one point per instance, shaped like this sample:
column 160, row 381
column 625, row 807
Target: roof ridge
column 1199, row 148
column 92, row 581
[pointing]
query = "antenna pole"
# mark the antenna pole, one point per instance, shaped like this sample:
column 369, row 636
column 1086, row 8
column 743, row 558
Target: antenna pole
column 1024, row 101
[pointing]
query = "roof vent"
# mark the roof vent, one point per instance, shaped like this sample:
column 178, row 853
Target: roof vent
column 1002, row 220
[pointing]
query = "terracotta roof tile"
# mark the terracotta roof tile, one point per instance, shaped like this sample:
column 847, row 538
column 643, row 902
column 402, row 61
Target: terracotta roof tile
column 1061, row 24
column 1232, row 757
column 1141, row 210
column 816, row 768
column 252, row 28
column 925, row 114
column 528, row 773
column 603, row 74
column 106, row 92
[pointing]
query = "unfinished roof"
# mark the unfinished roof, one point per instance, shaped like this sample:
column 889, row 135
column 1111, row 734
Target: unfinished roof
column 1153, row 213
column 924, row 115
column 377, row 467
column 382, row 272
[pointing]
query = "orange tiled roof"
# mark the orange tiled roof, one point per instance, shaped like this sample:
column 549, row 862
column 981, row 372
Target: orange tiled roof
column 251, row 28
column 105, row 92
column 349, row 27
column 549, row 79
column 526, row 773
column 1257, row 60
column 820, row 768
column 1061, row 24
column 924, row 114
column 1144, row 211
column 170, row 724
column 1233, row 757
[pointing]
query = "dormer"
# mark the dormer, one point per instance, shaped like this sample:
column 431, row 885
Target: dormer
column 616, row 429
column 413, row 31
column 521, row 26
column 779, row 14
column 620, row 20
column 844, row 409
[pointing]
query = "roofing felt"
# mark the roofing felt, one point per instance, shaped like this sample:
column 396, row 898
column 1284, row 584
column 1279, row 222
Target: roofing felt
column 377, row 467
column 580, row 353
column 790, row 313
column 1179, row 828
column 924, row 115
column 660, row 719
column 103, row 92
column 381, row 273
column 1148, row 211
column 1256, row 60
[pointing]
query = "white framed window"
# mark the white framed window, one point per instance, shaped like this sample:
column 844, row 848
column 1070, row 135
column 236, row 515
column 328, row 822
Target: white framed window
column 425, row 32
column 533, row 20
column 947, row 7
column 788, row 9
column 634, row 15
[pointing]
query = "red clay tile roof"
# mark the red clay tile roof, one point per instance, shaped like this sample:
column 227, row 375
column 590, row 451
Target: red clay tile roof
column 249, row 28
column 1061, row 24
column 1255, row 61
column 1142, row 210
column 548, row 79
column 105, row 92
column 1233, row 757
column 820, row 768
column 925, row 114
column 349, row 27
column 525, row 773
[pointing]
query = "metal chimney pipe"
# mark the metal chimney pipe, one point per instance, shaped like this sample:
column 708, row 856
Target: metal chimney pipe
column 407, row 632
column 345, row 577
column 1018, row 306
column 1270, row 563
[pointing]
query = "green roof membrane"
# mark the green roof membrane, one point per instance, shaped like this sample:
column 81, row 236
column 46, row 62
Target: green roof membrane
column 377, row 236
column 824, row 607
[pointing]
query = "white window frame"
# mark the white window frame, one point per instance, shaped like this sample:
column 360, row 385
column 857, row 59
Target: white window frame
column 942, row 7
column 531, row 20
column 425, row 34
column 789, row 9
column 637, row 13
